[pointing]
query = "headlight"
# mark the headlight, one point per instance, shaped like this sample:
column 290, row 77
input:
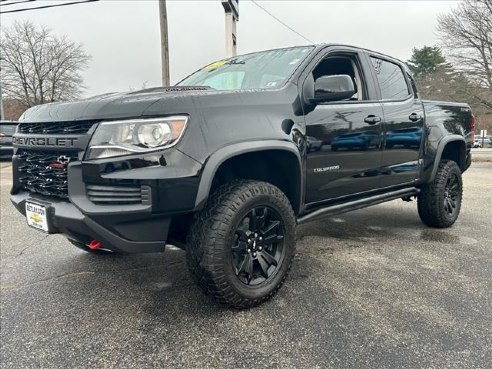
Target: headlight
column 132, row 136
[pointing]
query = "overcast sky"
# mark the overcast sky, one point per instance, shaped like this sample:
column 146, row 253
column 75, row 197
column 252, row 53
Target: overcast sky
column 122, row 36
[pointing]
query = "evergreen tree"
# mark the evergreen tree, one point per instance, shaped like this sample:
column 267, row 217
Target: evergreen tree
column 426, row 60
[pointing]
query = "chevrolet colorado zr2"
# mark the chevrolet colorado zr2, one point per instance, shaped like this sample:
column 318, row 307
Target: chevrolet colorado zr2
column 222, row 164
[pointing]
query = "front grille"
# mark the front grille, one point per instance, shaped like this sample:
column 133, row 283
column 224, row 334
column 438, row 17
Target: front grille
column 56, row 128
column 44, row 172
column 118, row 195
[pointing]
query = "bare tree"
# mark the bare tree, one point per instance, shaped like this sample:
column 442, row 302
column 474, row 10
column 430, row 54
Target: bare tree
column 466, row 34
column 38, row 67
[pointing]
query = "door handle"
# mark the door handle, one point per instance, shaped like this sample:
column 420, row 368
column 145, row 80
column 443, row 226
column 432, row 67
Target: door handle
column 372, row 119
column 414, row 117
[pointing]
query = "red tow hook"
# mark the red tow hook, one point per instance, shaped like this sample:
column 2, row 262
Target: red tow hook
column 94, row 245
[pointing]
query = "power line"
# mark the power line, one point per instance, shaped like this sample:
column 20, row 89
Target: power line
column 281, row 22
column 47, row 6
column 17, row 2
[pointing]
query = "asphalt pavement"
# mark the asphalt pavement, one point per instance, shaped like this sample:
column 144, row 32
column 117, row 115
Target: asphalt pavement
column 370, row 289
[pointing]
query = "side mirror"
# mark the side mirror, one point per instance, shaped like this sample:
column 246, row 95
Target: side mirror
column 333, row 88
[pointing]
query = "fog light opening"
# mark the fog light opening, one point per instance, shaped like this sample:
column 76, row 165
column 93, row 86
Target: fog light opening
column 94, row 245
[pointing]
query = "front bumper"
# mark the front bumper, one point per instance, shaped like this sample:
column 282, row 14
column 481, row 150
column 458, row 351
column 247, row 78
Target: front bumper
column 66, row 218
column 170, row 177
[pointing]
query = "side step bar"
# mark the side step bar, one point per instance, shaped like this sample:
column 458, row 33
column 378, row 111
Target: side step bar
column 358, row 204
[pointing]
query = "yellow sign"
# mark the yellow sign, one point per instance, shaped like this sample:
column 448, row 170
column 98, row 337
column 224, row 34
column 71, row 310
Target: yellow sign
column 216, row 64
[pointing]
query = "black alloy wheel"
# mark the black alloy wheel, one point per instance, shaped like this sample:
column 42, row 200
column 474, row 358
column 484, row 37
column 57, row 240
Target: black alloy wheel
column 258, row 248
column 241, row 245
column 452, row 195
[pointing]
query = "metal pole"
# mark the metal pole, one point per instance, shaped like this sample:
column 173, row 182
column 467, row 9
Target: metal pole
column 231, row 8
column 230, row 28
column 164, row 43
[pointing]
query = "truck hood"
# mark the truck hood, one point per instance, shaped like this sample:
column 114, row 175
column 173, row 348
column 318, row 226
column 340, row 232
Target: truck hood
column 157, row 101
column 112, row 105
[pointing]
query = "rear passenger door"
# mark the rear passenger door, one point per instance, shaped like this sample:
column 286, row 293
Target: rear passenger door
column 403, row 123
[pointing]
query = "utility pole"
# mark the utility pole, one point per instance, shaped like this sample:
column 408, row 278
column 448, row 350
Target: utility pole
column 231, row 8
column 164, row 43
column 2, row 116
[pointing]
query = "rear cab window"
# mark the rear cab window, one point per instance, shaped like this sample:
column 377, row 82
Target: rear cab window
column 391, row 80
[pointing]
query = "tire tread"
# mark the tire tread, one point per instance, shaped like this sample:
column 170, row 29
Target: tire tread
column 207, row 234
column 429, row 202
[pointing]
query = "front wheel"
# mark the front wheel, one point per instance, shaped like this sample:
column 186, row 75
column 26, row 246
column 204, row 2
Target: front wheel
column 439, row 202
column 240, row 247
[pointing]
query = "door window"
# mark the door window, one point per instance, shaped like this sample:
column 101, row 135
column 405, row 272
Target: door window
column 342, row 64
column 414, row 86
column 391, row 80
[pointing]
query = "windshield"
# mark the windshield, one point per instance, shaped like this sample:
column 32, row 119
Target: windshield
column 266, row 69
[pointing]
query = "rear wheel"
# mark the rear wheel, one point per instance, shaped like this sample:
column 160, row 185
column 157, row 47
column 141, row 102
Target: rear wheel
column 439, row 202
column 240, row 247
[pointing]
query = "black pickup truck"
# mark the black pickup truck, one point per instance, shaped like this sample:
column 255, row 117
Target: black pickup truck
column 226, row 163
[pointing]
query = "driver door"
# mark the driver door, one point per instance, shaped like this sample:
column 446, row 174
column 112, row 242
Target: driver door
column 344, row 138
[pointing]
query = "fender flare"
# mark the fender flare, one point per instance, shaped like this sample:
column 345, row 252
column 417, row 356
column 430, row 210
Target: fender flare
column 215, row 160
column 440, row 148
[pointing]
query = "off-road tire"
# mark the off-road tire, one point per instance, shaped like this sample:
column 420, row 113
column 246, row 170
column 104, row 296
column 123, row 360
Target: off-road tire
column 431, row 200
column 212, row 235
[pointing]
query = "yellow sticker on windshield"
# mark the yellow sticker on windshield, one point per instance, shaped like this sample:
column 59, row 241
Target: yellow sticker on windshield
column 216, row 64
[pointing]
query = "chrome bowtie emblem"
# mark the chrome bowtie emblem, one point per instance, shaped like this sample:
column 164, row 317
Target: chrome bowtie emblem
column 63, row 159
